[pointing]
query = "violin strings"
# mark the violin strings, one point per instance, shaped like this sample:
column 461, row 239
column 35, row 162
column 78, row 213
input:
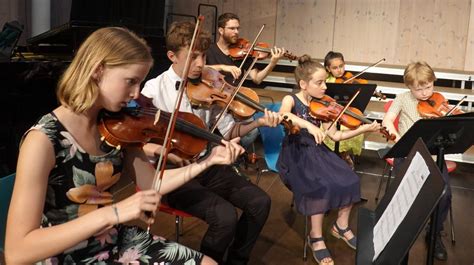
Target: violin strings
column 181, row 124
column 248, row 101
column 348, row 112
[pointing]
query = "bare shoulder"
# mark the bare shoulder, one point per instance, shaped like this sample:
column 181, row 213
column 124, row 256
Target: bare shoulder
column 287, row 101
column 36, row 145
column 287, row 104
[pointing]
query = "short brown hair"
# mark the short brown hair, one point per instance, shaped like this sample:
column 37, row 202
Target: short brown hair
column 418, row 73
column 222, row 20
column 110, row 47
column 180, row 35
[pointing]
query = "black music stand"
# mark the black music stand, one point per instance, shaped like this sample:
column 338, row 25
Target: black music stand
column 426, row 199
column 445, row 135
column 342, row 93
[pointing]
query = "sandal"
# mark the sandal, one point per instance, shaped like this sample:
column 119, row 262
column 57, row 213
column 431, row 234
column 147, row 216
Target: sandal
column 320, row 254
column 339, row 233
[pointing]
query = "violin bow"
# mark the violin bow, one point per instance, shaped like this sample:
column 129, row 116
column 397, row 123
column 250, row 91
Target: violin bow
column 234, row 93
column 363, row 71
column 160, row 169
column 455, row 107
column 342, row 112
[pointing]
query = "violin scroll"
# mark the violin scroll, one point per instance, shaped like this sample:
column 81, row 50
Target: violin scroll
column 387, row 135
column 379, row 95
column 289, row 126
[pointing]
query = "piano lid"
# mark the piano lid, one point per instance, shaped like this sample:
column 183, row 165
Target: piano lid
column 145, row 17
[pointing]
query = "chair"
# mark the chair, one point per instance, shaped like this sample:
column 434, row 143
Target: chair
column 6, row 189
column 179, row 215
column 451, row 166
column 272, row 139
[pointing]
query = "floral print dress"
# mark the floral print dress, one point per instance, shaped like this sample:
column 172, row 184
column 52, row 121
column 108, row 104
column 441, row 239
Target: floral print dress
column 78, row 184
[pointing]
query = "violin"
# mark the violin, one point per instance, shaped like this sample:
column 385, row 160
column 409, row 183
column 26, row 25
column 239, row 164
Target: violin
column 327, row 109
column 437, row 106
column 213, row 89
column 261, row 50
column 348, row 78
column 140, row 125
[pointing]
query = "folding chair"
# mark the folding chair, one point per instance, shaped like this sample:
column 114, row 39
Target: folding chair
column 179, row 215
column 272, row 138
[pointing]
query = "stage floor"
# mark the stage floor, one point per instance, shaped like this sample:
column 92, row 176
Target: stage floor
column 281, row 241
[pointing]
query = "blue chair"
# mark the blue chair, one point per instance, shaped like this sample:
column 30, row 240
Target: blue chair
column 272, row 138
column 6, row 189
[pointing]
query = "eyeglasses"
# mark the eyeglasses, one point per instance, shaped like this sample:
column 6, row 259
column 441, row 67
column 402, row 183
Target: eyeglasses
column 233, row 28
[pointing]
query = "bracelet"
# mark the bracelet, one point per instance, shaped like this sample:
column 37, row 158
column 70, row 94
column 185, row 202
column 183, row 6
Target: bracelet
column 116, row 213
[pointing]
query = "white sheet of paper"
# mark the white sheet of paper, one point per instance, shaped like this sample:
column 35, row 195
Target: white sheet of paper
column 402, row 200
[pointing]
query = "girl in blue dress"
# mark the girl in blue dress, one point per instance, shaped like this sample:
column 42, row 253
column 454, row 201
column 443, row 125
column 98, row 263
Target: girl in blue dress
column 319, row 179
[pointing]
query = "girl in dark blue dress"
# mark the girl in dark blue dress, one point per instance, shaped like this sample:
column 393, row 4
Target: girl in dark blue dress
column 319, row 179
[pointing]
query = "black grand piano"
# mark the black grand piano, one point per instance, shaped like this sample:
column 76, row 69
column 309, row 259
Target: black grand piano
column 29, row 78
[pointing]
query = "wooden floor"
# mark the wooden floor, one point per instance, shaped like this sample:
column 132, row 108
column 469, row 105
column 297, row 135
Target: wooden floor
column 281, row 241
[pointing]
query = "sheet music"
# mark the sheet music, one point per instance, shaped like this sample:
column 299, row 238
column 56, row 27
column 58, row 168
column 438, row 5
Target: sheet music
column 402, row 200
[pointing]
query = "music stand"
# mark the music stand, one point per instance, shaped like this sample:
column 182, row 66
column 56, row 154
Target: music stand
column 342, row 93
column 424, row 201
column 445, row 135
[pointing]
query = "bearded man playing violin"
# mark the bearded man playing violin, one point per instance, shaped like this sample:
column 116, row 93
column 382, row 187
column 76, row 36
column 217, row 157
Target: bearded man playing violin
column 219, row 57
column 213, row 195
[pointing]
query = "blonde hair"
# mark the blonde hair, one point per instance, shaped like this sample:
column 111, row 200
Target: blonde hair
column 109, row 47
column 418, row 73
column 306, row 68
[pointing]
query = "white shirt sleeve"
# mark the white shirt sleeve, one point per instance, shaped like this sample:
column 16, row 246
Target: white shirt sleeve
column 150, row 90
column 226, row 122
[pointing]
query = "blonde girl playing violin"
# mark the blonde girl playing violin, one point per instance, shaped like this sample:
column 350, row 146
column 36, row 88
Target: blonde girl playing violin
column 319, row 179
column 335, row 67
column 62, row 210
